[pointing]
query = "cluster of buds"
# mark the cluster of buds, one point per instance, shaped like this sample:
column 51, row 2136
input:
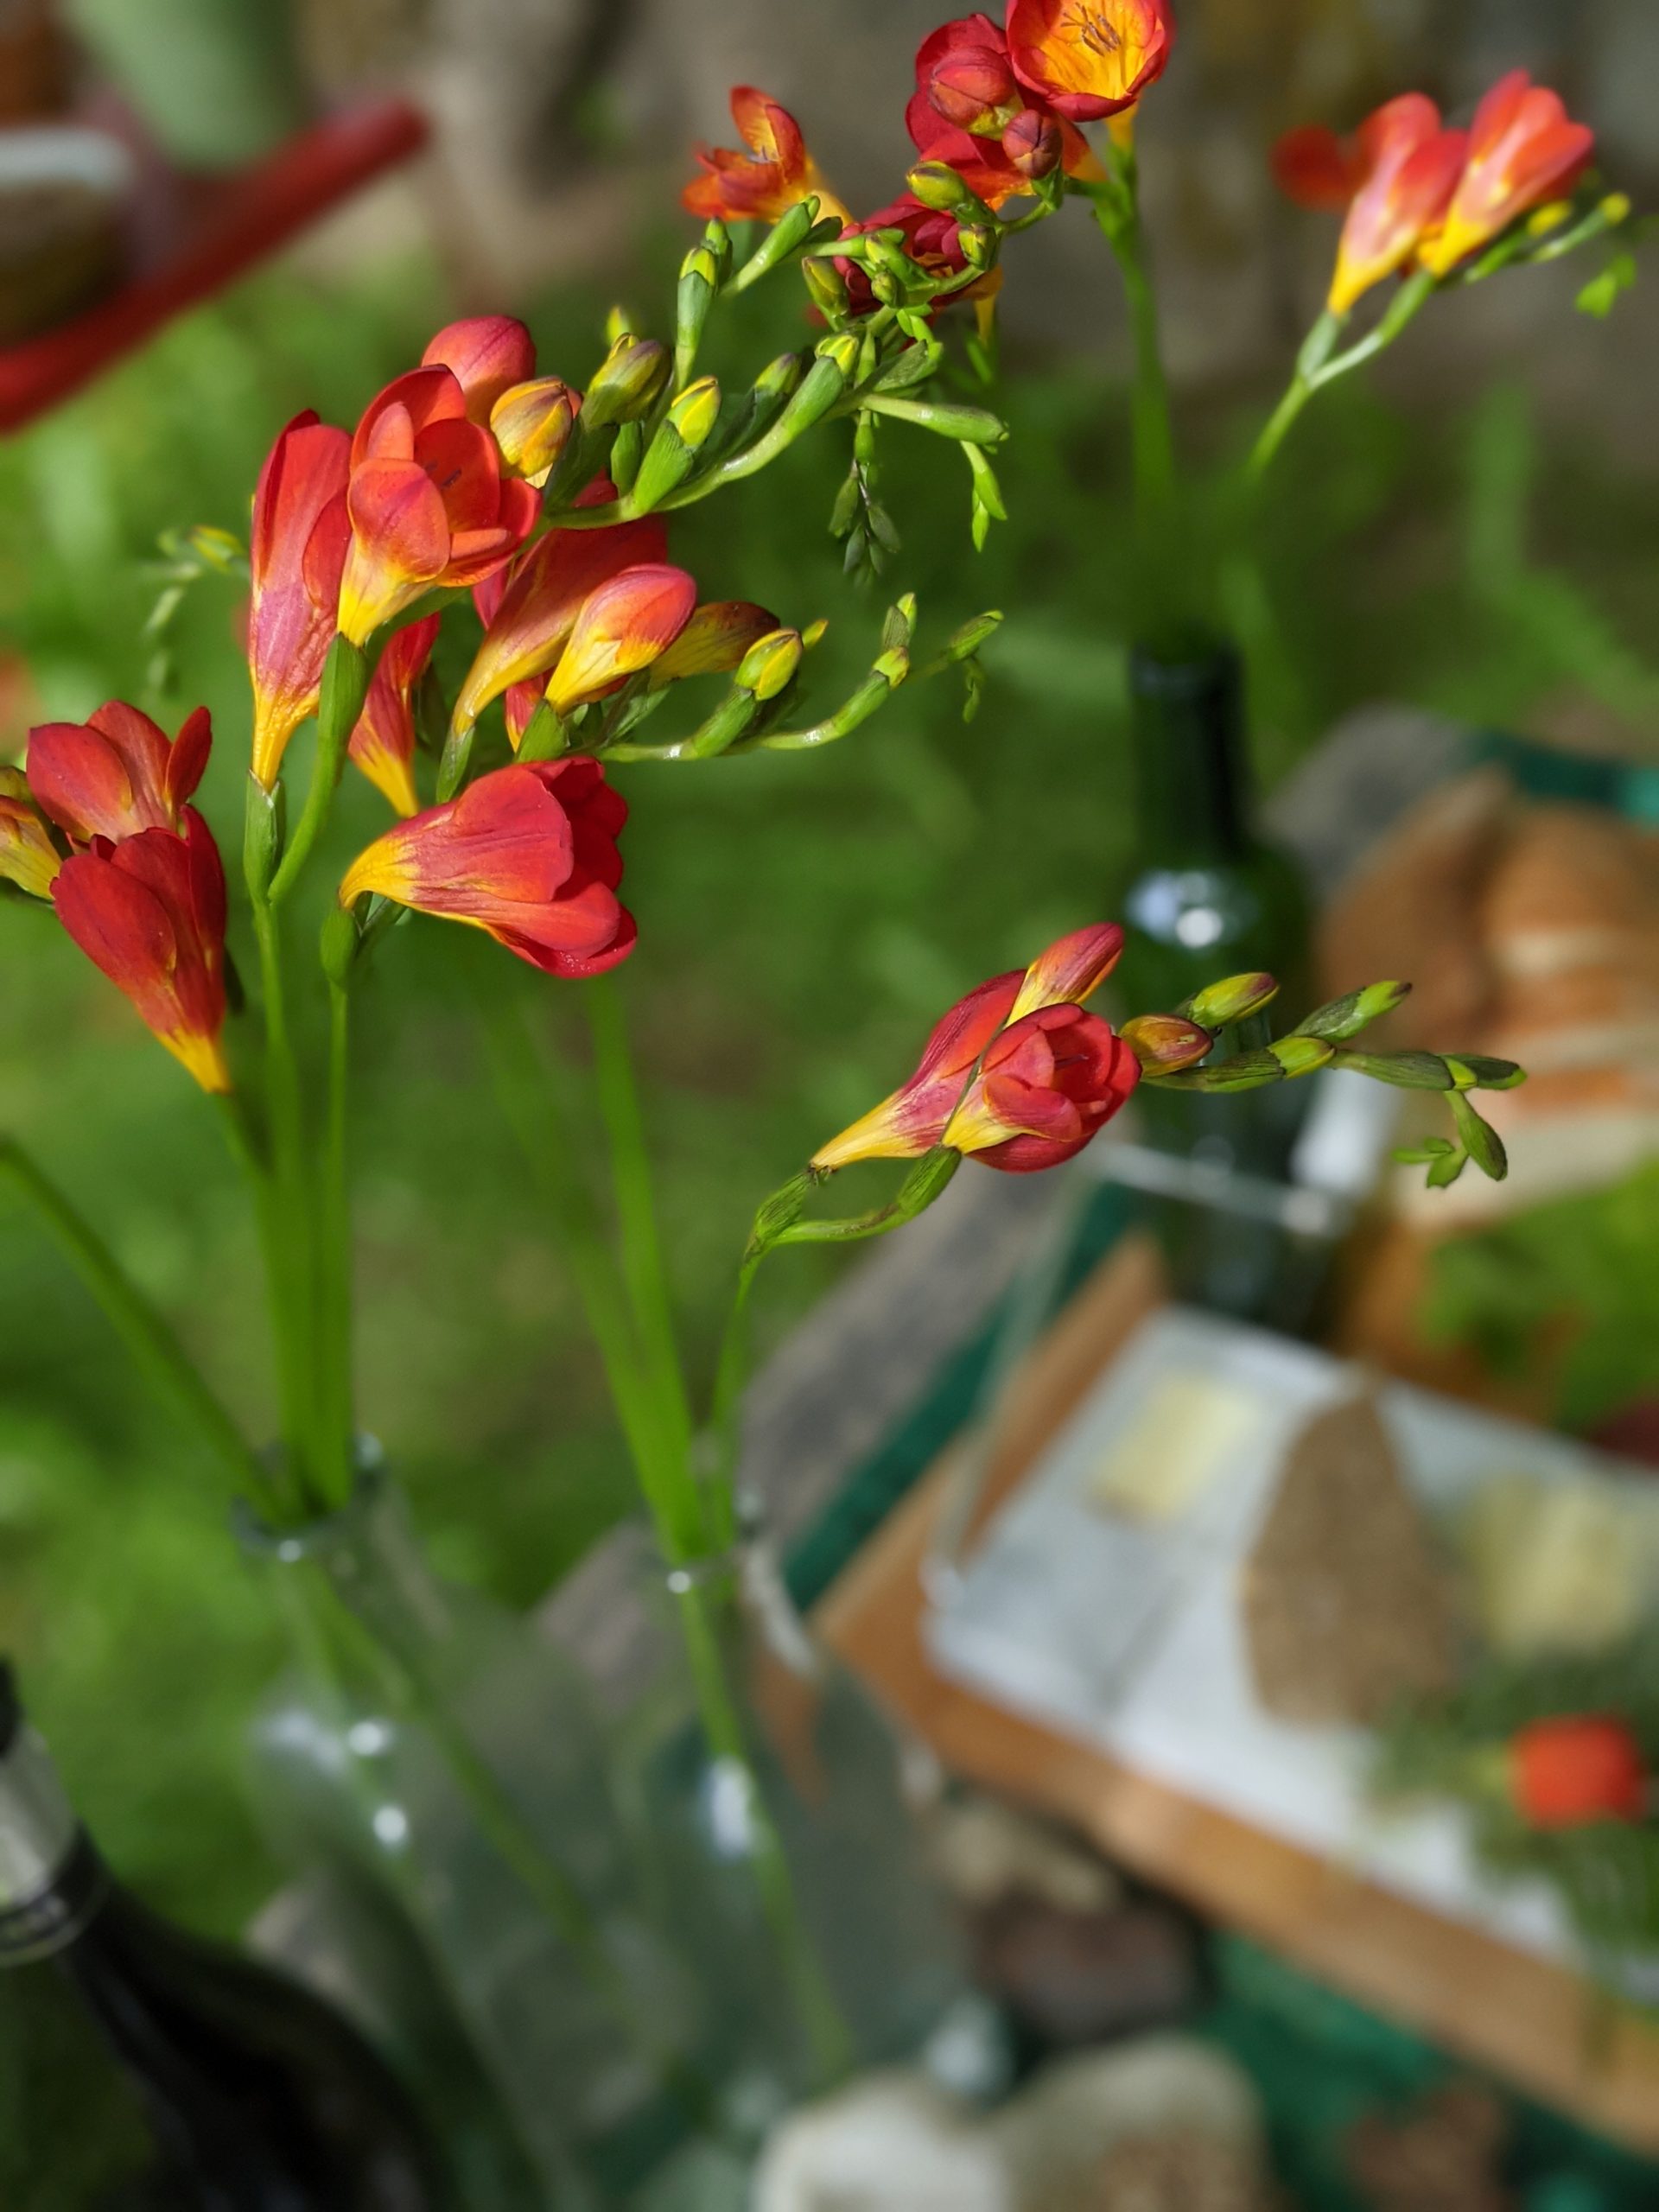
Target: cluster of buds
column 1020, row 1075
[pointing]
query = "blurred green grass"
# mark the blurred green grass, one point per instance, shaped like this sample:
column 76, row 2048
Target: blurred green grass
column 803, row 920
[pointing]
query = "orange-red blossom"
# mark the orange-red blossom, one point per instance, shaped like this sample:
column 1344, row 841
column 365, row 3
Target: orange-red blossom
column 297, row 554
column 151, row 913
column 27, row 856
column 1017, row 1074
column 768, row 176
column 383, row 744
column 528, row 853
column 1523, row 152
column 1086, row 59
column 970, row 111
column 428, row 504
column 116, row 773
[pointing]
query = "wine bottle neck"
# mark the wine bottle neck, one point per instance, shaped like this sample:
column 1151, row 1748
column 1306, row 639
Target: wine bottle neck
column 52, row 1882
column 1190, row 766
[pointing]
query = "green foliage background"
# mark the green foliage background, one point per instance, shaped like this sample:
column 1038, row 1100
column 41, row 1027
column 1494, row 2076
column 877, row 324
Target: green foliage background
column 802, row 918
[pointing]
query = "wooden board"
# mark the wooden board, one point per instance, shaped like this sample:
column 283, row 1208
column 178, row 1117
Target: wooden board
column 1544, row 2028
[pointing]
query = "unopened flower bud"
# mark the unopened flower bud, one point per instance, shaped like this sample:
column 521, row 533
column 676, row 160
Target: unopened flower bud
column 626, row 383
column 1219, row 1005
column 1345, row 1017
column 532, row 424
column 974, row 88
column 937, row 185
column 1032, row 142
column 979, row 243
column 771, row 664
column 1164, row 1042
column 824, row 282
column 696, row 411
column 779, row 378
column 1301, row 1055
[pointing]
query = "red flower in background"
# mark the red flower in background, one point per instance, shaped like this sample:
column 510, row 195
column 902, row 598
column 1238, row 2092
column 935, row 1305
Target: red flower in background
column 970, row 111
column 1396, row 177
column 383, row 742
column 297, row 553
column 1523, row 152
column 528, row 853
column 27, row 856
column 1568, row 1773
column 430, row 506
column 530, row 610
column 116, row 773
column 768, row 177
column 918, row 1116
column 151, row 913
column 1086, row 59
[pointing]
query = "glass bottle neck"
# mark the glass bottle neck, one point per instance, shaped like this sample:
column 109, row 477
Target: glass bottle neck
column 51, row 1881
column 1191, row 768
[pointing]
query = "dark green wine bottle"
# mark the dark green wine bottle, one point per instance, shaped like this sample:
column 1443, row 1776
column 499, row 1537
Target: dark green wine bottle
column 204, row 2081
column 1208, row 898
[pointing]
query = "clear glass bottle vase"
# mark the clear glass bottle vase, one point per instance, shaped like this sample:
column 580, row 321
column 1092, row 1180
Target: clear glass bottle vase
column 427, row 1748
column 784, row 1837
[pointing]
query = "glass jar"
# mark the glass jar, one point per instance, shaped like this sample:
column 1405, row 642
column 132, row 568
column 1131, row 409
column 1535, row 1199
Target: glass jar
column 430, row 1749
column 784, row 1840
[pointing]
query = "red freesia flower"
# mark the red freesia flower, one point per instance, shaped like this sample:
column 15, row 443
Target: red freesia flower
column 920, row 1112
column 1088, row 58
column 382, row 743
column 622, row 628
column 772, row 173
column 1396, row 176
column 1567, row 1773
column 297, row 553
column 1047, row 1083
column 116, row 773
column 151, row 913
column 714, row 640
column 530, row 610
column 27, row 856
column 1523, row 152
column 970, row 111
column 429, row 504
column 487, row 355
column 528, row 853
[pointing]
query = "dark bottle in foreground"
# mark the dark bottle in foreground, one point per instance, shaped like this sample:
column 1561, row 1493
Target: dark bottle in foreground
column 1210, row 898
column 218, row 2084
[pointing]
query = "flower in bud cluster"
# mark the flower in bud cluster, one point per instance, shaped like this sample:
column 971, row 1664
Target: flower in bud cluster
column 1523, row 153
column 528, row 853
column 626, row 383
column 937, row 185
column 1086, row 59
column 296, row 554
column 1396, row 178
column 621, row 628
column 487, row 355
column 933, row 241
column 1218, row 1005
column 531, row 423
column 116, row 773
column 27, row 856
column 1163, row 1042
column 964, row 70
column 1356, row 1010
column 1034, row 144
column 970, row 114
column 915, row 1118
column 771, row 173
column 382, row 743
column 717, row 638
column 430, row 507
column 150, row 911
column 528, row 612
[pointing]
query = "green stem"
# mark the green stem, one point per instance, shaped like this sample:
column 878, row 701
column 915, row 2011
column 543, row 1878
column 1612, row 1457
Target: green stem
column 154, row 1347
column 335, row 1331
column 828, row 2038
column 1317, row 366
column 1163, row 587
column 289, row 1215
column 346, row 678
column 730, row 1376
column 643, row 1270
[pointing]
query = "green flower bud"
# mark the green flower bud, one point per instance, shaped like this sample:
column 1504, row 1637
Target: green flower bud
column 696, row 411
column 1301, row 1055
column 1345, row 1017
column 1218, row 1005
column 263, row 831
column 627, row 383
column 937, row 185
column 1480, row 1141
column 771, row 664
